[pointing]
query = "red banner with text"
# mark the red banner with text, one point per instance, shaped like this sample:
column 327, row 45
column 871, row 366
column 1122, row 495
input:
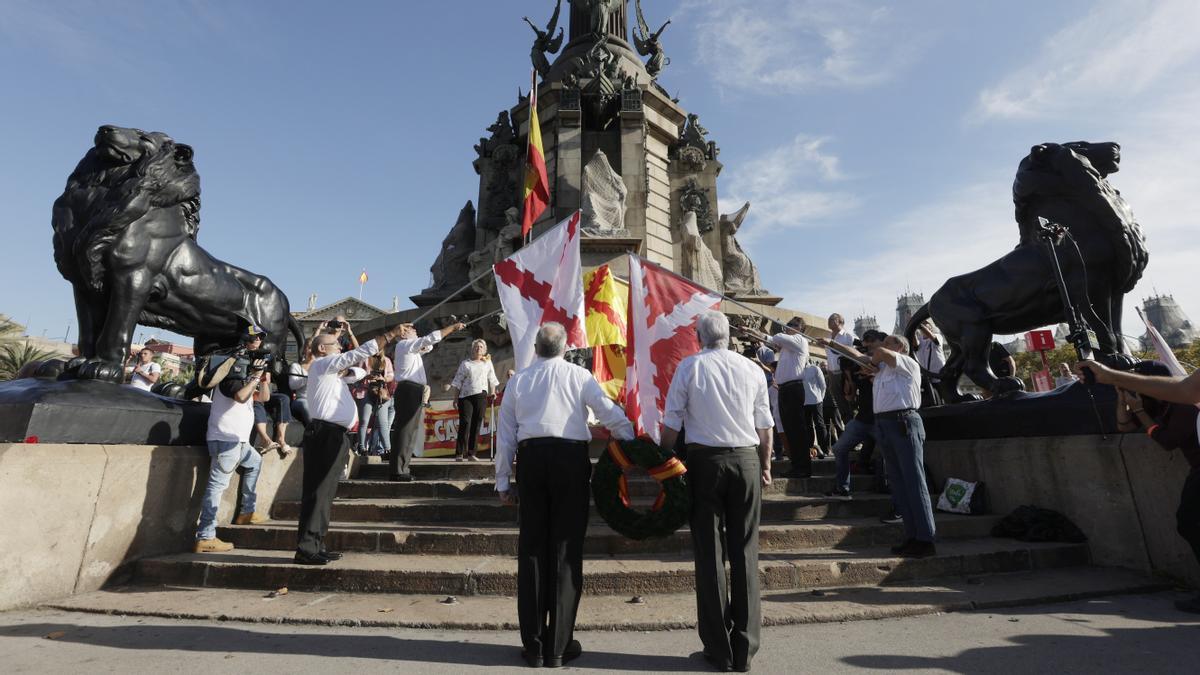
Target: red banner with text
column 441, row 430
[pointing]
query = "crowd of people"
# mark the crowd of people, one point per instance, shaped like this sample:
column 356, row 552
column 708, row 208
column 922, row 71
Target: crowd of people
column 727, row 410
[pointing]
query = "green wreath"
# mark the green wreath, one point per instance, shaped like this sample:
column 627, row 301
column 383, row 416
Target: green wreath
column 611, row 494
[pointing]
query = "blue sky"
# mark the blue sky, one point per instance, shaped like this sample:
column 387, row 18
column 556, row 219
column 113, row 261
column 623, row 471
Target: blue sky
column 877, row 141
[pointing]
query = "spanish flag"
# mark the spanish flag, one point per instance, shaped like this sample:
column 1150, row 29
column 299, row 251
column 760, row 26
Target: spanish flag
column 605, row 301
column 536, row 196
column 362, row 278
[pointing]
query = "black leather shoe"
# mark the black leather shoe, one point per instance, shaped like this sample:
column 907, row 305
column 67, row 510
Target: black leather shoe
column 572, row 652
column 533, row 660
column 331, row 555
column 720, row 664
column 919, row 549
column 303, row 558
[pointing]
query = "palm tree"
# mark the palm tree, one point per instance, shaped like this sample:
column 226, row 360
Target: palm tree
column 10, row 329
column 15, row 355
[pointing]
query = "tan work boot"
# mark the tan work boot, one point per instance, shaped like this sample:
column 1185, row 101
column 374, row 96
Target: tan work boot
column 250, row 519
column 213, row 545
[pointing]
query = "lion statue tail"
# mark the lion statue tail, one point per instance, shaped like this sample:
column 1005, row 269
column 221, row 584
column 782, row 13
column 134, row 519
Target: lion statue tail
column 298, row 333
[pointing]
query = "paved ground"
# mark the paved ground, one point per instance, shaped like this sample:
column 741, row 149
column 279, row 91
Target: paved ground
column 1125, row 634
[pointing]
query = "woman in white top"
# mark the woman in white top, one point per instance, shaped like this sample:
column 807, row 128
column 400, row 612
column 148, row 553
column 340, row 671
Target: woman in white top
column 476, row 384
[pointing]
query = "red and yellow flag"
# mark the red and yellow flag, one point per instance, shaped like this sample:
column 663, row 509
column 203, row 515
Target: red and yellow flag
column 536, row 195
column 605, row 300
column 362, row 278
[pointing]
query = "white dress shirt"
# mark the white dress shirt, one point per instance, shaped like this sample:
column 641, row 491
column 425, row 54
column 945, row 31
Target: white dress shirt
column 550, row 399
column 409, row 365
column 930, row 354
column 475, row 377
column 719, row 399
column 329, row 398
column 793, row 356
column 898, row 388
column 814, row 384
column 833, row 363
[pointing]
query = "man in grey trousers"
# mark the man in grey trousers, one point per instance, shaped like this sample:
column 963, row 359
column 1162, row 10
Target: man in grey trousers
column 719, row 399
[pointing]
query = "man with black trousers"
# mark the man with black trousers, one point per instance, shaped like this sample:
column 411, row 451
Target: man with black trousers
column 789, row 375
column 543, row 424
column 719, row 400
column 408, row 431
column 326, row 442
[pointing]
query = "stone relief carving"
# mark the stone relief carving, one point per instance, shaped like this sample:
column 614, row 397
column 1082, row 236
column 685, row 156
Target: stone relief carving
column 695, row 198
column 452, row 268
column 699, row 262
column 603, row 195
column 494, row 251
column 741, row 275
column 693, row 148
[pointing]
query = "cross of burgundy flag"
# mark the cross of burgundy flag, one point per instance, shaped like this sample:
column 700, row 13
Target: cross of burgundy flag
column 663, row 309
column 543, row 282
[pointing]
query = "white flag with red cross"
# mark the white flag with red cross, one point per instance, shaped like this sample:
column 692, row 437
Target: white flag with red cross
column 541, row 283
column 663, row 309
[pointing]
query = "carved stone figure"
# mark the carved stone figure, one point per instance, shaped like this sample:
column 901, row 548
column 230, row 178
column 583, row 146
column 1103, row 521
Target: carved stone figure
column 699, row 262
column 695, row 198
column 693, row 147
column 503, row 133
column 648, row 44
column 741, row 275
column 598, row 12
column 546, row 42
column 1068, row 185
column 603, row 194
column 504, row 245
column 125, row 237
column 452, row 268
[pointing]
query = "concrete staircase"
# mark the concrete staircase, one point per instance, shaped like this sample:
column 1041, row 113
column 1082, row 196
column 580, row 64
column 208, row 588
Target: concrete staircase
column 408, row 546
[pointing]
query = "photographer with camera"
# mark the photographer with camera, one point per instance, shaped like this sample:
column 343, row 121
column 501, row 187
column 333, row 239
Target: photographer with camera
column 340, row 327
column 376, row 405
column 280, row 404
column 230, row 420
column 325, row 440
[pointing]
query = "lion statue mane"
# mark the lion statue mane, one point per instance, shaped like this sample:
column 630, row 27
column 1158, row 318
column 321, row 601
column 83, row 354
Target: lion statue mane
column 125, row 233
column 1102, row 260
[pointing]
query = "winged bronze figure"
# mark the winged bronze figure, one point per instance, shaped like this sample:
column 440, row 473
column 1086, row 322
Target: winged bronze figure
column 648, row 43
column 546, row 42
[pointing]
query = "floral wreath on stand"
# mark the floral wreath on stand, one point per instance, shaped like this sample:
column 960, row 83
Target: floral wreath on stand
column 610, row 490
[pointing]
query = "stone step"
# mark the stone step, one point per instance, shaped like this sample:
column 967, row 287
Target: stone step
column 485, row 539
column 613, row 612
column 774, row 508
column 448, row 469
column 485, row 488
column 493, row 575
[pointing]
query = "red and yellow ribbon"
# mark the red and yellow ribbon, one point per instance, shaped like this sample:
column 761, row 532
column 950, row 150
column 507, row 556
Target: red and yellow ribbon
column 661, row 473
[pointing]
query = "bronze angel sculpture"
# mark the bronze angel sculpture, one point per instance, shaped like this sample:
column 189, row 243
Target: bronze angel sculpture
column 648, row 43
column 546, row 42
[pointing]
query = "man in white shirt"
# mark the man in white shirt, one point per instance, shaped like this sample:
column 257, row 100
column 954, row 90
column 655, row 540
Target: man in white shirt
column 719, row 399
column 146, row 372
column 543, row 422
column 901, row 434
column 408, row 429
column 230, row 419
column 326, row 443
column 931, row 356
column 793, row 358
column 814, row 409
column 833, row 365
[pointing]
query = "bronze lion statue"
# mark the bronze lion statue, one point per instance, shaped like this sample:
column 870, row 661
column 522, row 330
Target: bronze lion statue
column 1102, row 260
column 125, row 237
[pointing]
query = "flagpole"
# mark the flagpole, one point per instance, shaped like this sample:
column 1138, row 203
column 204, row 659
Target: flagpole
column 840, row 349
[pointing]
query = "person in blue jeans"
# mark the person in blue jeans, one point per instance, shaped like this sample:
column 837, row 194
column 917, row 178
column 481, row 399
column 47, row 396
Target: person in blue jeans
column 230, row 422
column 901, row 434
column 861, row 428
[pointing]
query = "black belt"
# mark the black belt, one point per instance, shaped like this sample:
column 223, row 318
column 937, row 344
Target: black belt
column 790, row 383
column 318, row 423
column 895, row 414
column 698, row 446
column 549, row 440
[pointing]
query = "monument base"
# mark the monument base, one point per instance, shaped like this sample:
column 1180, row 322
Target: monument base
column 1066, row 411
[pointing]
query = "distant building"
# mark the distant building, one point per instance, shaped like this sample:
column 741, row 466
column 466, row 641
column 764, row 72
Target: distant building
column 863, row 324
column 1168, row 318
column 356, row 312
column 906, row 306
